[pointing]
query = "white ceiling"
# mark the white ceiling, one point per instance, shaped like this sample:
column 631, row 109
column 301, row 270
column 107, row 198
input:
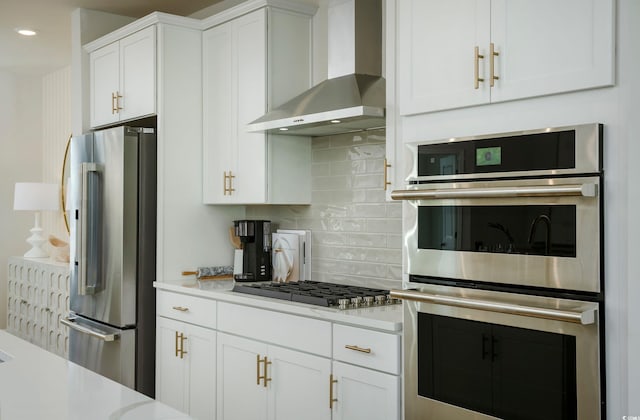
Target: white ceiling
column 51, row 48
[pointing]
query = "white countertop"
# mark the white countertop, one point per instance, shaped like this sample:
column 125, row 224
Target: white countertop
column 386, row 318
column 37, row 384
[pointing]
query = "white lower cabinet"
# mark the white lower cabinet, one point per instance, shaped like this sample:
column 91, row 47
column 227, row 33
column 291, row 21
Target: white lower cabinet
column 364, row 394
column 234, row 362
column 262, row 381
column 186, row 354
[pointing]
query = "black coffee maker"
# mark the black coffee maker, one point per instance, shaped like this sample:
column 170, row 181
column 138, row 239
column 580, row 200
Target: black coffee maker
column 255, row 236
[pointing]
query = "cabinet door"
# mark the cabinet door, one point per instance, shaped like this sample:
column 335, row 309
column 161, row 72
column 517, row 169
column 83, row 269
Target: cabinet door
column 104, row 67
column 551, row 46
column 299, row 386
column 138, row 74
column 250, row 102
column 435, row 53
column 186, row 380
column 241, row 394
column 200, row 355
column 364, row 394
column 218, row 141
column 171, row 379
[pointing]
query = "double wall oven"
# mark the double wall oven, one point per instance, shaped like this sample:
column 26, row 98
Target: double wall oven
column 504, row 301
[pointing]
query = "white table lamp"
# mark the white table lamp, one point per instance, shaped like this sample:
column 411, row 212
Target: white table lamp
column 35, row 196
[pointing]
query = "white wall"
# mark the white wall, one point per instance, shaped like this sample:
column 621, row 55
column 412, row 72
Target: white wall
column 56, row 129
column 618, row 109
column 20, row 160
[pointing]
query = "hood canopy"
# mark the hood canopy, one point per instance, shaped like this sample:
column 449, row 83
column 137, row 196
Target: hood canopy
column 353, row 98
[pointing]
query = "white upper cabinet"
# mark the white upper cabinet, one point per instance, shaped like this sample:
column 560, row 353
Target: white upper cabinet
column 235, row 94
column 251, row 62
column 122, row 79
column 460, row 53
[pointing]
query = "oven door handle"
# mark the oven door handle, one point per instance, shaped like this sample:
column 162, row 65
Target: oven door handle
column 584, row 190
column 585, row 315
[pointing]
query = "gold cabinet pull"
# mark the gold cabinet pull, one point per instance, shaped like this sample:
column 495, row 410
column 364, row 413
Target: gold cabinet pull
column 180, row 345
column 331, row 398
column 115, row 102
column 180, row 308
column 476, row 68
column 356, row 348
column 258, row 377
column 228, row 180
column 386, row 175
column 182, row 350
column 264, row 377
column 231, row 189
column 493, row 53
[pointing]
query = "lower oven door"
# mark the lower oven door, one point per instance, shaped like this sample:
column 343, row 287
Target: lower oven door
column 475, row 354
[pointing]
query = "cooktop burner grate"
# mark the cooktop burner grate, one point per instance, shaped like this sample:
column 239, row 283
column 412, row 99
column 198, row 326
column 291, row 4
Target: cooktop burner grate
column 320, row 293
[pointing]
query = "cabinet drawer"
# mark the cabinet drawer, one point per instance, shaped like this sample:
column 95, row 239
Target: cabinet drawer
column 192, row 309
column 371, row 349
column 296, row 332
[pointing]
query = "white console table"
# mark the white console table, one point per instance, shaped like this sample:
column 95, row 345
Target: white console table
column 38, row 296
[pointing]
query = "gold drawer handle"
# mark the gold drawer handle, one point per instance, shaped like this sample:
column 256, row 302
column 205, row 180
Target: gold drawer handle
column 180, row 308
column 356, row 348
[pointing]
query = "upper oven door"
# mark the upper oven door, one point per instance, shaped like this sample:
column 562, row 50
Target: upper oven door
column 534, row 232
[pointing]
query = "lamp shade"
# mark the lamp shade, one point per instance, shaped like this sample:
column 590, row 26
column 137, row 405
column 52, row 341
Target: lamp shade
column 36, row 196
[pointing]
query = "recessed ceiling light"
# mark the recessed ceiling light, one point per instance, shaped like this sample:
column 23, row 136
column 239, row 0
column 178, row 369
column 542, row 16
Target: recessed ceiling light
column 284, row 129
column 335, row 121
column 26, row 32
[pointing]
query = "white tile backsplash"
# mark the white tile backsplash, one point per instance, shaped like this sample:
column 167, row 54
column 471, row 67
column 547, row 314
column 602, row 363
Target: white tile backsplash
column 357, row 235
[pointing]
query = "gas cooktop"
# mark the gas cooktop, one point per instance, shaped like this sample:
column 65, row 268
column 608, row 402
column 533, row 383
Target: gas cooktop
column 320, row 293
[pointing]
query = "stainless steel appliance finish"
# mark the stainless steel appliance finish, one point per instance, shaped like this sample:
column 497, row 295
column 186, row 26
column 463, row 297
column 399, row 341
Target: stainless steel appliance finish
column 353, row 97
column 112, row 202
column 464, row 253
column 104, row 348
column 338, row 296
column 503, row 238
column 580, row 273
column 587, row 159
column 561, row 316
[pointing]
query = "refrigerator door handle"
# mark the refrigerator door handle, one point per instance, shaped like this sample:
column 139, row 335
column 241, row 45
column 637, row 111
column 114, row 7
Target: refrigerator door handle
column 83, row 230
column 70, row 322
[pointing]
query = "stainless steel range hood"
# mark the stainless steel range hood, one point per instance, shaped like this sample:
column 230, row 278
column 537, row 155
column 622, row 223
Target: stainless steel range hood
column 353, row 97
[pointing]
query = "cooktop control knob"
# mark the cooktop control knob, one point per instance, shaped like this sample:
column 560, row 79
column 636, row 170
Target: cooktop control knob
column 356, row 301
column 368, row 300
column 343, row 303
column 381, row 299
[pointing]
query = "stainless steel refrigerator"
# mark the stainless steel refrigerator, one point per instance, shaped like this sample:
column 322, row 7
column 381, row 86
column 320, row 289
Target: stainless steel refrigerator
column 112, row 205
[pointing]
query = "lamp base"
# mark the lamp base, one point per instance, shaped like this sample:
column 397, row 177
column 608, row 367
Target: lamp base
column 36, row 240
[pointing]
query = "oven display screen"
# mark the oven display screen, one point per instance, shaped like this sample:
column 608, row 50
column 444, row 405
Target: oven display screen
column 486, row 156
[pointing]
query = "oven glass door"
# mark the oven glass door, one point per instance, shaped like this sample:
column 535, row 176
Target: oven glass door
column 540, row 233
column 465, row 362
